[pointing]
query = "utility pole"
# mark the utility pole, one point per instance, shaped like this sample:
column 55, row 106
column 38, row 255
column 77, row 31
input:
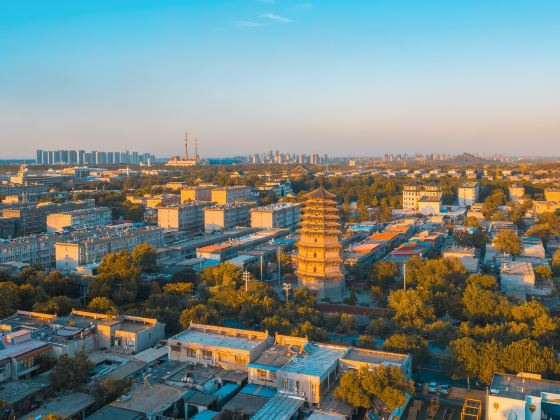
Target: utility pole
column 278, row 254
column 246, row 279
column 287, row 288
column 404, row 276
column 262, row 265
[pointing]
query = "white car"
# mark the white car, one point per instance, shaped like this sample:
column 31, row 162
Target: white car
column 432, row 387
column 444, row 389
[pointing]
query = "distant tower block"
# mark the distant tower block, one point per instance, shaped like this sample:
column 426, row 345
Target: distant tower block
column 319, row 259
column 195, row 150
column 186, row 146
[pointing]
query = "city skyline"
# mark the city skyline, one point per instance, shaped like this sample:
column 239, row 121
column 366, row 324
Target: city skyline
column 343, row 78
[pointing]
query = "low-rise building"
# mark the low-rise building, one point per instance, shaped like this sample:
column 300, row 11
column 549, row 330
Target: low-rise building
column 187, row 217
column 20, row 354
column 284, row 215
column 226, row 217
column 517, row 278
column 465, row 254
column 429, row 205
column 229, row 348
column 78, row 219
column 522, row 397
column 467, row 193
column 412, row 193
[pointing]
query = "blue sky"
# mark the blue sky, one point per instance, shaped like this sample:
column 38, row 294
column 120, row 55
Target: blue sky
column 345, row 77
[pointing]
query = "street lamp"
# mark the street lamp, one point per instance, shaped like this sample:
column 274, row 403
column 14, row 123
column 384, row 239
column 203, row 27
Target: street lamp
column 404, row 276
column 287, row 288
column 246, row 279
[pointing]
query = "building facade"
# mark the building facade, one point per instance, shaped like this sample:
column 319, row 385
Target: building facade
column 79, row 219
column 283, row 215
column 229, row 195
column 468, row 193
column 412, row 194
column 187, row 217
column 226, row 217
column 196, row 193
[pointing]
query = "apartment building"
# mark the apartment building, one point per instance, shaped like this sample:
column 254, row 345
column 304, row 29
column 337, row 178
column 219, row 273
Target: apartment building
column 283, row 215
column 33, row 218
column 226, row 217
column 517, row 278
column 79, row 219
column 467, row 193
column 71, row 254
column 33, row 249
column 413, row 192
column 228, row 195
column 187, row 217
column 516, row 192
column 552, row 194
column 196, row 193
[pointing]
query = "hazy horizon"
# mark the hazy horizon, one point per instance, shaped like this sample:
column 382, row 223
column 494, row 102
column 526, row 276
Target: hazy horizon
column 347, row 78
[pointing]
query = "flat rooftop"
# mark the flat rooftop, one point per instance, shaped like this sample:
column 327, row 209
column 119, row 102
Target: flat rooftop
column 66, row 406
column 214, row 339
column 279, row 407
column 154, row 398
column 517, row 387
column 273, row 358
column 521, row 268
column 374, row 357
column 317, row 360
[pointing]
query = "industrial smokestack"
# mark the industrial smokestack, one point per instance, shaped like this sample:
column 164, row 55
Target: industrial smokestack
column 186, row 146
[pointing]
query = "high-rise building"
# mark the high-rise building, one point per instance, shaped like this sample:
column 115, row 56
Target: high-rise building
column 39, row 157
column 319, row 259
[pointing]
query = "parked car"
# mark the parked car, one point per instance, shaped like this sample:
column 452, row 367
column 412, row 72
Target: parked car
column 444, row 389
column 432, row 387
column 419, row 386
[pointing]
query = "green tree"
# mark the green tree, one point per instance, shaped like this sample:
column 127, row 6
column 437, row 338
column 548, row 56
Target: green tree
column 144, row 255
column 199, row 314
column 109, row 389
column 103, row 305
column 383, row 388
column 543, row 273
column 59, row 305
column 384, row 273
column 507, row 242
column 10, row 298
column 484, row 305
column 483, row 281
column 179, row 288
column 527, row 355
column 70, row 372
column 408, row 306
column 224, row 275
column 413, row 344
column 465, row 359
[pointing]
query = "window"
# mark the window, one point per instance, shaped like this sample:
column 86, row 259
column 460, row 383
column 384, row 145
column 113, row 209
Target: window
column 206, row 355
column 285, row 384
column 191, row 352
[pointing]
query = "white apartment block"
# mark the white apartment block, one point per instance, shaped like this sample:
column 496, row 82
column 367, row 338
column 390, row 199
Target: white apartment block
column 468, row 193
column 79, row 219
column 284, row 215
column 187, row 217
column 226, row 217
column 71, row 254
column 413, row 193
